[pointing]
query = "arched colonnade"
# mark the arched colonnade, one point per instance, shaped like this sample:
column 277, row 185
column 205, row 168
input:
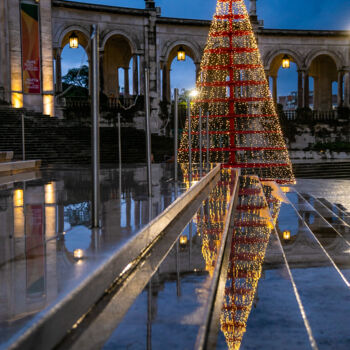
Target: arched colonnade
column 324, row 66
column 118, row 54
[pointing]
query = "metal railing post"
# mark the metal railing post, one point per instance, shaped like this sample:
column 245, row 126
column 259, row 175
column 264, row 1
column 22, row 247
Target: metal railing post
column 200, row 143
column 208, row 141
column 189, row 141
column 176, row 129
column 148, row 133
column 23, row 139
column 95, row 128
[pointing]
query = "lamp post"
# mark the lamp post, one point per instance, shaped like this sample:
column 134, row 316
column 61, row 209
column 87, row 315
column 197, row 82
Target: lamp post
column 193, row 94
column 176, row 127
column 148, row 133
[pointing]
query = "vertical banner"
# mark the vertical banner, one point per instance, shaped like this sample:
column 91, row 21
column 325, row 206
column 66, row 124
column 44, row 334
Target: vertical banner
column 30, row 48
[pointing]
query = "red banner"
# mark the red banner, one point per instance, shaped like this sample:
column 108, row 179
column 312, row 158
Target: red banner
column 30, row 48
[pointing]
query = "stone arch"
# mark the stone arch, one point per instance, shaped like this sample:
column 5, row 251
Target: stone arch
column 169, row 52
column 117, row 32
column 193, row 51
column 83, row 35
column 271, row 56
column 337, row 58
column 117, row 49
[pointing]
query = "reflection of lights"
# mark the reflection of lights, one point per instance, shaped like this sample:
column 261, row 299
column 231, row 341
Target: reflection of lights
column 126, row 268
column 78, row 254
column 50, row 193
column 194, row 93
column 18, row 198
column 286, row 235
column 183, row 240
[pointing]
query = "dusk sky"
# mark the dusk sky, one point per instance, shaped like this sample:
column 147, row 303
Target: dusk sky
column 295, row 14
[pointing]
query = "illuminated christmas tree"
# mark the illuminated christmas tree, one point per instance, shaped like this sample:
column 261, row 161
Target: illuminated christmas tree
column 243, row 125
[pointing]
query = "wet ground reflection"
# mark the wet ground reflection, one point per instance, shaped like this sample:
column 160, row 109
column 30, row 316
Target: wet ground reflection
column 172, row 307
column 46, row 244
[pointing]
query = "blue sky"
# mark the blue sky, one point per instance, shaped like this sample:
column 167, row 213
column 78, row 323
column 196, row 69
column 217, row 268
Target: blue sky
column 281, row 14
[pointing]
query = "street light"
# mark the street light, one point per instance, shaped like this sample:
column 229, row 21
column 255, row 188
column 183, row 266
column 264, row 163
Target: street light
column 73, row 41
column 181, row 54
column 194, row 93
column 285, row 62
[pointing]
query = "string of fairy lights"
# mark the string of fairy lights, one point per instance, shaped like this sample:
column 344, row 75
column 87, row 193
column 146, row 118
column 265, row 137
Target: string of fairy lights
column 243, row 125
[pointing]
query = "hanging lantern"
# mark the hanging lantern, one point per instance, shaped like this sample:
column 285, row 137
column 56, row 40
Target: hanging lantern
column 73, row 41
column 285, row 62
column 286, row 235
column 181, row 54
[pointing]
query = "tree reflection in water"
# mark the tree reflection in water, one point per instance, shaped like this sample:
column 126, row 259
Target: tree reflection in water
column 253, row 225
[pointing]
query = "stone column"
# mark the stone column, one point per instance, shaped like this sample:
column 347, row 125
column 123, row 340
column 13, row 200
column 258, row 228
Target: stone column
column 198, row 70
column 102, row 81
column 316, row 93
column 267, row 76
column 274, row 89
column 47, row 57
column 15, row 53
column 142, row 74
column 126, row 82
column 58, row 71
column 340, row 89
column 117, row 83
column 135, row 77
column 164, row 85
column 306, row 89
column 252, row 8
column 347, row 89
column 300, row 89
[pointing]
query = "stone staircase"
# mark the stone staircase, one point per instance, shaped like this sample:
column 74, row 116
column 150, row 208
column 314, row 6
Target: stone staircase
column 58, row 141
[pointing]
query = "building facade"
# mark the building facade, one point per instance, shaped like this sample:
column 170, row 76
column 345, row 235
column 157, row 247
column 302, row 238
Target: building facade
column 138, row 38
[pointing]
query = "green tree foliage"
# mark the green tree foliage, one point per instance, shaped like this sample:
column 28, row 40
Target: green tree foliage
column 77, row 77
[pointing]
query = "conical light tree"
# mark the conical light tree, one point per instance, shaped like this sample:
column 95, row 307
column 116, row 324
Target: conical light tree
column 243, row 125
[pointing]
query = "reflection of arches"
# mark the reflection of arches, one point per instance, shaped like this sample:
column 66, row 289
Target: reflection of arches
column 169, row 53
